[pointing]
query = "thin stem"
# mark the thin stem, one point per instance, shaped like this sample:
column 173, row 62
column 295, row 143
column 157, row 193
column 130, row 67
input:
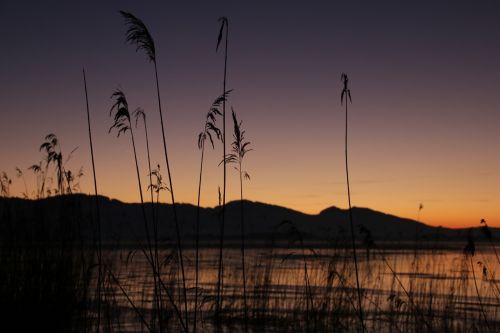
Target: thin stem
column 221, row 247
column 155, row 234
column 162, row 285
column 25, row 186
column 148, row 235
column 415, row 254
column 406, row 292
column 198, row 238
column 477, row 293
column 352, row 228
column 176, row 221
column 140, row 191
column 243, row 250
column 136, row 310
column 98, row 218
column 149, row 167
column 307, row 284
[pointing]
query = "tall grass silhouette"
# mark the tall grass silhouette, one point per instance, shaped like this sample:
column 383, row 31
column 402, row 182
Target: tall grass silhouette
column 346, row 93
column 209, row 131
column 224, row 27
column 138, row 34
column 239, row 148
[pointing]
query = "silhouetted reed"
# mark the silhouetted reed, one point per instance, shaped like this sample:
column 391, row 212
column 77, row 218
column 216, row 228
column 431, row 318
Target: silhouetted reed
column 140, row 114
column 138, row 34
column 224, row 27
column 416, row 246
column 122, row 124
column 209, row 130
column 239, row 148
column 417, row 236
column 54, row 155
column 346, row 92
column 158, row 185
column 98, row 212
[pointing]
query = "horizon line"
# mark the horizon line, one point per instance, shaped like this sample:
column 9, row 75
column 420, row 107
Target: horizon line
column 252, row 201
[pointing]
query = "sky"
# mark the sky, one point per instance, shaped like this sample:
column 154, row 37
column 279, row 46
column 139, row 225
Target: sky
column 423, row 123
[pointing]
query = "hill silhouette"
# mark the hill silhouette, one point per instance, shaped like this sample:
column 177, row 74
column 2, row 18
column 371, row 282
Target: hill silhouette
column 123, row 221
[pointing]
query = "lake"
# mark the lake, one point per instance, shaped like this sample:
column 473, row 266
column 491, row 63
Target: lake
column 303, row 289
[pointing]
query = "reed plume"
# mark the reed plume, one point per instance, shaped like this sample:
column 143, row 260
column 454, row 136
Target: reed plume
column 239, row 148
column 52, row 147
column 53, row 156
column 209, row 131
column 122, row 124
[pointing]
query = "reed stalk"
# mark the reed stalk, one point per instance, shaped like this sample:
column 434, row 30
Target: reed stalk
column 98, row 214
column 347, row 93
column 209, row 130
column 138, row 115
column 224, row 27
column 122, row 124
column 239, row 148
column 138, row 34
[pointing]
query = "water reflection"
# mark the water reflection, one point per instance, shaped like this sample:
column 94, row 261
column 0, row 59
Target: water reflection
column 284, row 283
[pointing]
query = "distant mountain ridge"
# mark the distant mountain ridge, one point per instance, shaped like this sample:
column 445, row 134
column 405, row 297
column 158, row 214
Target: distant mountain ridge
column 124, row 222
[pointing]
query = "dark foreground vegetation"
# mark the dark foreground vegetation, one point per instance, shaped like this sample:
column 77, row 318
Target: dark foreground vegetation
column 295, row 281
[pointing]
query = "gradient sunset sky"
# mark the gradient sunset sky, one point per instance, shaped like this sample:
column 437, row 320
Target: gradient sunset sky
column 424, row 76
